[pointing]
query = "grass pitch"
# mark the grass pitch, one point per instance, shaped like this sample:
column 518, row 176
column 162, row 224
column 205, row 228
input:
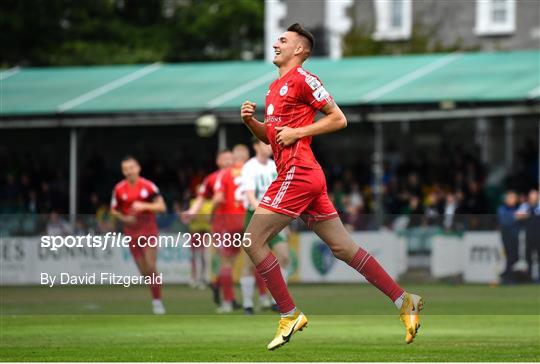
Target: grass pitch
column 346, row 323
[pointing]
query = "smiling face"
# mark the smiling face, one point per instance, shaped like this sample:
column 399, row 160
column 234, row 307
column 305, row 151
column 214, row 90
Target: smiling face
column 289, row 47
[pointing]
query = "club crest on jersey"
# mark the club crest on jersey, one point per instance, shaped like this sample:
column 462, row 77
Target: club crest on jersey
column 144, row 193
column 270, row 109
column 283, row 90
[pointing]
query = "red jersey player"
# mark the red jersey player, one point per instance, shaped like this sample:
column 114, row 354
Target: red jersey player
column 135, row 201
column 206, row 192
column 229, row 219
column 300, row 188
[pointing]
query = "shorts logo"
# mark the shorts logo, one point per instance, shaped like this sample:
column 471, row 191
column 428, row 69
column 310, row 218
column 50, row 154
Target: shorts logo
column 270, row 109
column 283, row 90
column 144, row 193
column 320, row 94
column 266, row 199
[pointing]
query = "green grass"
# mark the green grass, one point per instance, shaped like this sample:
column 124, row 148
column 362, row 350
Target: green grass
column 347, row 323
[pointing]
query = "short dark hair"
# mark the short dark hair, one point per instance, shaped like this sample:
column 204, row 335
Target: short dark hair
column 299, row 29
column 129, row 157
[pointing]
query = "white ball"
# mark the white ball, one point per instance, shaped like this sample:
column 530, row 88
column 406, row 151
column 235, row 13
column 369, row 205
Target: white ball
column 206, row 125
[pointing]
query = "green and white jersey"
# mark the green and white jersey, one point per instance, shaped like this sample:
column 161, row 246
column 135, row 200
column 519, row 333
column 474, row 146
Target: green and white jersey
column 257, row 177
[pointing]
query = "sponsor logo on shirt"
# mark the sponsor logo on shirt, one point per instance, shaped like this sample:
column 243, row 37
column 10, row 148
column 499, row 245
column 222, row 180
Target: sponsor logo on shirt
column 302, row 72
column 273, row 119
column 320, row 94
column 283, row 90
column 313, row 82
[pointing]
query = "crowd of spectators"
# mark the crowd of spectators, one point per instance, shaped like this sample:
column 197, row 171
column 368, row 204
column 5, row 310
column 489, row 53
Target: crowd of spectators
column 447, row 189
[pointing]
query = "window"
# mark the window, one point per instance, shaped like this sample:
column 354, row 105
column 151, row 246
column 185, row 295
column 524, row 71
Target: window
column 495, row 17
column 394, row 19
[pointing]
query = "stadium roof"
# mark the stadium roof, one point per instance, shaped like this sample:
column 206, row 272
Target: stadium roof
column 193, row 87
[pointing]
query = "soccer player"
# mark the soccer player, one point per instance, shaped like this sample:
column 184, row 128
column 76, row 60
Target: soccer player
column 300, row 188
column 257, row 175
column 135, row 201
column 205, row 192
column 228, row 220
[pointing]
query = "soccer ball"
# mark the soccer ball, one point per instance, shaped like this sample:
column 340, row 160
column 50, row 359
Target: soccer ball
column 206, row 125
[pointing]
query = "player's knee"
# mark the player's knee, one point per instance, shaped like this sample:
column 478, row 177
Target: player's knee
column 339, row 251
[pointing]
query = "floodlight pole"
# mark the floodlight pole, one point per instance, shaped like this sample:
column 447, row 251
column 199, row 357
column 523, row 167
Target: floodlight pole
column 378, row 172
column 222, row 137
column 73, row 176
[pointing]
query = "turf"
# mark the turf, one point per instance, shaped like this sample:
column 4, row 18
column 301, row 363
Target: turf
column 347, row 323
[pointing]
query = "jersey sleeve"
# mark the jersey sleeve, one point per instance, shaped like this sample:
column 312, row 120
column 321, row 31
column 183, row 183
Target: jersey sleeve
column 219, row 186
column 248, row 178
column 154, row 191
column 114, row 199
column 312, row 92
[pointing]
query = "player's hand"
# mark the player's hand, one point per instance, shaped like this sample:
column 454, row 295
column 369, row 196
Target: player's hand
column 129, row 219
column 247, row 111
column 138, row 206
column 186, row 217
column 286, row 136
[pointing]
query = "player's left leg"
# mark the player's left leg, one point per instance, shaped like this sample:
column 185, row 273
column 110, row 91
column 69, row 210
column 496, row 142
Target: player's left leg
column 150, row 270
column 338, row 239
column 227, row 259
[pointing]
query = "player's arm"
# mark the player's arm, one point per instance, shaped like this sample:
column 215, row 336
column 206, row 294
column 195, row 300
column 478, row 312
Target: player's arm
column 156, row 206
column 126, row 219
column 333, row 120
column 257, row 128
column 253, row 202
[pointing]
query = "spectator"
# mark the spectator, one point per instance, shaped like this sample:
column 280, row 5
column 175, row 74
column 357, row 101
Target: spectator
column 56, row 225
column 509, row 233
column 529, row 213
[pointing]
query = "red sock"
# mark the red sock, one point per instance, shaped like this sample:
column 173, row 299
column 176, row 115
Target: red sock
column 156, row 290
column 226, row 281
column 368, row 266
column 271, row 273
column 260, row 283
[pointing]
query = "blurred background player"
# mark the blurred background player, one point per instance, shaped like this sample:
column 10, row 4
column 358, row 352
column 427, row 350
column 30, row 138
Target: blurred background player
column 257, row 175
column 229, row 215
column 135, row 201
column 200, row 224
column 205, row 193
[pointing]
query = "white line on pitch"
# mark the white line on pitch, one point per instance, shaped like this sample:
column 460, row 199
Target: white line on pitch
column 109, row 87
column 409, row 77
column 241, row 90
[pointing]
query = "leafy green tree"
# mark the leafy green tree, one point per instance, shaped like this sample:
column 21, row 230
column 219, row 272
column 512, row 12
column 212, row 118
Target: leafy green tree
column 85, row 32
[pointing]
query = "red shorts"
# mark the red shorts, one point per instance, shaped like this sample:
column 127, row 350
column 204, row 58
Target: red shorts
column 137, row 251
column 300, row 192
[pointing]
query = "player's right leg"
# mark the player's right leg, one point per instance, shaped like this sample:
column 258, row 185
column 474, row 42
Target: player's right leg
column 226, row 281
column 338, row 239
column 150, row 259
column 264, row 225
